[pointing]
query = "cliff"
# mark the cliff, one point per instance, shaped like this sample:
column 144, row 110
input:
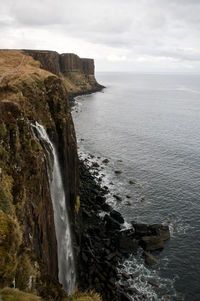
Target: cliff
column 28, row 247
column 77, row 73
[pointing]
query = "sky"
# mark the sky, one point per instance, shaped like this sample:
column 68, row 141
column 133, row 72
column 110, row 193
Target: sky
column 121, row 35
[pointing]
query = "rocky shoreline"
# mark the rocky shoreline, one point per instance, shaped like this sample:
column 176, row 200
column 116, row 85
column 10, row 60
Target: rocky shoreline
column 105, row 241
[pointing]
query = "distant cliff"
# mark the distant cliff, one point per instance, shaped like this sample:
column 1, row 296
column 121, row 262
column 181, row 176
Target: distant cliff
column 78, row 73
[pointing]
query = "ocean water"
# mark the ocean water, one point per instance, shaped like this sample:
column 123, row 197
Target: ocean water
column 148, row 126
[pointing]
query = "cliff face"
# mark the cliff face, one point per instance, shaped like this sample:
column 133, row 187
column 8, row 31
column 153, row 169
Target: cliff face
column 28, row 248
column 76, row 72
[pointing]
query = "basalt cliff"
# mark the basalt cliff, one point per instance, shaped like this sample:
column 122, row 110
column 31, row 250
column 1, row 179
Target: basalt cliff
column 35, row 86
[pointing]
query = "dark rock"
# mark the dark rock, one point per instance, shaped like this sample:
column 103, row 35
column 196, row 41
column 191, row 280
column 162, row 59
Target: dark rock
column 132, row 290
column 106, row 207
column 111, row 256
column 117, row 197
column 140, row 229
column 149, row 258
column 111, row 223
column 128, row 196
column 105, row 161
column 131, row 182
column 153, row 283
column 125, row 297
column 100, row 199
column 117, row 216
column 95, row 164
column 125, row 275
column 160, row 230
column 127, row 245
column 118, row 172
column 84, row 257
column 128, row 233
column 151, row 243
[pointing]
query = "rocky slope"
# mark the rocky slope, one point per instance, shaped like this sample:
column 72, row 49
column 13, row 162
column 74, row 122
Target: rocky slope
column 28, row 248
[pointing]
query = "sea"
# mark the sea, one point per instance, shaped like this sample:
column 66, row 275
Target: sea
column 148, row 127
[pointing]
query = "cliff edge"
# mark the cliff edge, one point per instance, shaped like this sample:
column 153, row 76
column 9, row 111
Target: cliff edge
column 77, row 73
column 28, row 246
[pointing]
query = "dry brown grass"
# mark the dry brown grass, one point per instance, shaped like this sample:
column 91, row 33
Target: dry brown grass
column 84, row 296
column 10, row 294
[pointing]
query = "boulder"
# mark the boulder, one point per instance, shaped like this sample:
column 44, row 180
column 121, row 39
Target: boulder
column 117, row 197
column 153, row 283
column 149, row 258
column 127, row 245
column 117, row 216
column 118, row 172
column 100, row 199
column 140, row 229
column 111, row 223
column 105, row 161
column 160, row 230
column 151, row 243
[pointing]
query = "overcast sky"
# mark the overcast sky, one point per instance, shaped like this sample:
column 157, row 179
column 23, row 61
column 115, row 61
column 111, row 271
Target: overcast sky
column 121, row 35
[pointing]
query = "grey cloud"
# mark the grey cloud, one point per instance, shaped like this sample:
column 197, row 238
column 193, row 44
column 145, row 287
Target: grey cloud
column 162, row 28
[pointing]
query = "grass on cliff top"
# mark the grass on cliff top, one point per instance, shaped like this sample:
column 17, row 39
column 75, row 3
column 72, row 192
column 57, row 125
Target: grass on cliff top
column 10, row 294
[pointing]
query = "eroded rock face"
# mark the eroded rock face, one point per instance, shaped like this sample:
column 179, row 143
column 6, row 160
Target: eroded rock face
column 64, row 63
column 26, row 96
column 70, row 62
column 49, row 59
column 87, row 66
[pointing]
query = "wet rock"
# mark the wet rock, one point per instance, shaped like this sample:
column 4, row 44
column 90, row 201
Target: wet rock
column 149, row 258
column 132, row 290
column 111, row 223
column 140, row 229
column 106, row 207
column 128, row 196
column 151, row 243
column 84, row 257
column 131, row 182
column 127, row 245
column 153, row 283
column 95, row 164
column 135, row 275
column 125, row 275
column 125, row 297
column 111, row 256
column 105, row 161
column 160, row 230
column 118, row 172
column 117, row 197
column 100, row 199
column 117, row 216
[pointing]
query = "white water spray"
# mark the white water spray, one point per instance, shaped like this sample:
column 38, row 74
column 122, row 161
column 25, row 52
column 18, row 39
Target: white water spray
column 66, row 264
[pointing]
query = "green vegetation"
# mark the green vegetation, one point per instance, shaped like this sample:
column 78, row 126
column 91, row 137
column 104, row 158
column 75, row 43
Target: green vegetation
column 10, row 294
column 10, row 240
column 77, row 204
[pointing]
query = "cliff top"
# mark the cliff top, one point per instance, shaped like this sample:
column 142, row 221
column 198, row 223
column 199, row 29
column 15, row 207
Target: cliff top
column 16, row 66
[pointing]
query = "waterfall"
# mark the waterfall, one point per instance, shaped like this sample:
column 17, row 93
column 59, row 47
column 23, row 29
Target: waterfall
column 66, row 264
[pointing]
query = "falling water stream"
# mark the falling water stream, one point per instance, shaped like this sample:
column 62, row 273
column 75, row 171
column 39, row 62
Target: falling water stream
column 66, row 264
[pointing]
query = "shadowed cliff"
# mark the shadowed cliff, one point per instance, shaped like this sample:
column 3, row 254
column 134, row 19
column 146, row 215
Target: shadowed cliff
column 77, row 73
column 28, row 247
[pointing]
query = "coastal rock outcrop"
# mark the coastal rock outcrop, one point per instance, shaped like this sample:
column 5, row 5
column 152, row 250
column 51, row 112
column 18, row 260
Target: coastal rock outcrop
column 77, row 73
